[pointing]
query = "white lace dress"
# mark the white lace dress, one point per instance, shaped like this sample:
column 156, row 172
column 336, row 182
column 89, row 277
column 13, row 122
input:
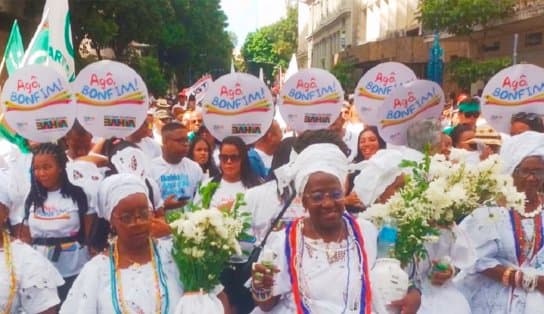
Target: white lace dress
column 491, row 231
column 37, row 280
column 92, row 290
column 330, row 277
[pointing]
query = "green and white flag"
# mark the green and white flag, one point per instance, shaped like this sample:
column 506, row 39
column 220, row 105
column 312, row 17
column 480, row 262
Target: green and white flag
column 61, row 47
column 13, row 54
column 52, row 42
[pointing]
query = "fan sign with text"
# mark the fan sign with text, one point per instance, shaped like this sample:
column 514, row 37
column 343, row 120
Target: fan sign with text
column 238, row 104
column 376, row 84
column 519, row 88
column 407, row 104
column 112, row 99
column 311, row 99
column 38, row 104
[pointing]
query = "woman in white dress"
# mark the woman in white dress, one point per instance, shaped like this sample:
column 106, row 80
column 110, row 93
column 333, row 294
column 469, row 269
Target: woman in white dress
column 508, row 276
column 137, row 274
column 320, row 263
column 28, row 281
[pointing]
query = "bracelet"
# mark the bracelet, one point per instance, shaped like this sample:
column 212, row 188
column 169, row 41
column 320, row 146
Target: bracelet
column 261, row 294
column 517, row 278
column 506, row 276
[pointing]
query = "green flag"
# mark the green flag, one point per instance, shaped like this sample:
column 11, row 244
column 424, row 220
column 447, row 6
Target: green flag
column 13, row 54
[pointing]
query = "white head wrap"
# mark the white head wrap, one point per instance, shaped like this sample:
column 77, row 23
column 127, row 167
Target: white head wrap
column 377, row 174
column 116, row 188
column 325, row 157
column 518, row 147
column 130, row 160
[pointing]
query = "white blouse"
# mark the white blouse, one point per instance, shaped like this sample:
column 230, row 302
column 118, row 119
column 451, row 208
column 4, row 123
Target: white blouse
column 92, row 290
column 37, row 280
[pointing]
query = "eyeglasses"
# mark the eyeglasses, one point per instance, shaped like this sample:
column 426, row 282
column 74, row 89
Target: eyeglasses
column 319, row 197
column 128, row 219
column 525, row 173
column 226, row 158
column 474, row 114
column 195, row 121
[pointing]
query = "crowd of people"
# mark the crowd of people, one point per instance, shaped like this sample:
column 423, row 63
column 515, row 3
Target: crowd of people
column 102, row 245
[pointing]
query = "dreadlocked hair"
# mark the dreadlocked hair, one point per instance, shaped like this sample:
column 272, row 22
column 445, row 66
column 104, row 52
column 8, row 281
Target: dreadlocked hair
column 38, row 194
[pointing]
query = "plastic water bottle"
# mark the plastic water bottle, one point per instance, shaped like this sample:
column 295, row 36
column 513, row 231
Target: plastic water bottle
column 386, row 240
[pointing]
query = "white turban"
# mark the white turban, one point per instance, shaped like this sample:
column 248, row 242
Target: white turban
column 520, row 146
column 327, row 158
column 116, row 188
column 377, row 174
column 130, row 160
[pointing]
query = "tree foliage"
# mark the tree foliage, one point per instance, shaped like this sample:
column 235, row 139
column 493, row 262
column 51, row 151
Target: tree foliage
column 464, row 71
column 150, row 71
column 459, row 17
column 272, row 45
column 343, row 71
column 187, row 37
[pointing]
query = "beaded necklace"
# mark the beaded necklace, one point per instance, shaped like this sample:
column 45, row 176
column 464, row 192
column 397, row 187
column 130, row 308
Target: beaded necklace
column 9, row 264
column 524, row 247
column 291, row 249
column 119, row 304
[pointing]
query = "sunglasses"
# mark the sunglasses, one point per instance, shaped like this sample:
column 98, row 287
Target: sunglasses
column 474, row 114
column 226, row 158
column 319, row 197
column 528, row 116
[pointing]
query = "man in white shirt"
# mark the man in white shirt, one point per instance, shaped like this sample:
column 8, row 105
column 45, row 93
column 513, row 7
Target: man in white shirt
column 260, row 156
column 177, row 176
column 142, row 139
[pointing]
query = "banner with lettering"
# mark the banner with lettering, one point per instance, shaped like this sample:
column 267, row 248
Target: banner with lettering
column 238, row 104
column 407, row 104
column 311, row 99
column 112, row 99
column 200, row 87
column 514, row 89
column 376, row 84
column 38, row 103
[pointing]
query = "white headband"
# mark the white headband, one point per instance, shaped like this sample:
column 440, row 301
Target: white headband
column 116, row 188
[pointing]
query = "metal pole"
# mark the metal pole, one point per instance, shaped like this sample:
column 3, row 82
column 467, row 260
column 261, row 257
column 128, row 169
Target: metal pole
column 515, row 52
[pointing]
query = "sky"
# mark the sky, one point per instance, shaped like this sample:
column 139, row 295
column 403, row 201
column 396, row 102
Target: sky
column 245, row 16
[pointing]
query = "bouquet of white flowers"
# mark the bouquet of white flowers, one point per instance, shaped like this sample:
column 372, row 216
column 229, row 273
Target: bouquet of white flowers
column 439, row 193
column 204, row 239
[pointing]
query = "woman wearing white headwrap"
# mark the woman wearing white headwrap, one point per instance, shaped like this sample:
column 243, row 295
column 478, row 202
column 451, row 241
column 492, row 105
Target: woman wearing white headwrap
column 28, row 281
column 138, row 274
column 323, row 261
column 508, row 276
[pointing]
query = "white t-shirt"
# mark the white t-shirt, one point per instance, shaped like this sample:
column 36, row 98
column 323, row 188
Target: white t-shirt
column 226, row 192
column 92, row 290
column 267, row 159
column 37, row 280
column 59, row 218
column 150, row 147
column 180, row 179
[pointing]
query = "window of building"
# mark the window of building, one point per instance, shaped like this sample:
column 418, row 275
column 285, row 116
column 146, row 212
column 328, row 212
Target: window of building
column 495, row 46
column 533, row 39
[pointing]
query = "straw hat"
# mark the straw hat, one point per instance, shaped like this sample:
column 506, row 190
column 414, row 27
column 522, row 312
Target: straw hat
column 486, row 135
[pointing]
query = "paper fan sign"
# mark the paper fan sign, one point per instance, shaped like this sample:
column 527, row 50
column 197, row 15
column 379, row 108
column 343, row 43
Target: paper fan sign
column 38, row 103
column 311, row 99
column 514, row 89
column 238, row 104
column 112, row 99
column 407, row 104
column 376, row 84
